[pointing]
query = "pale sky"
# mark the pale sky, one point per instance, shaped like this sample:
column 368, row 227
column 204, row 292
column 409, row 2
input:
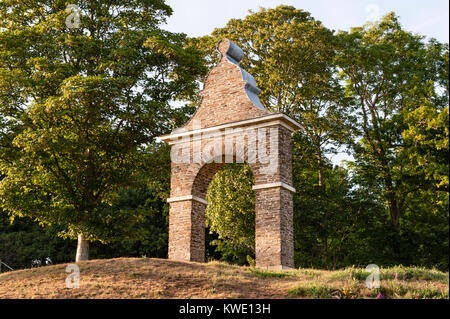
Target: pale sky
column 429, row 18
column 200, row 17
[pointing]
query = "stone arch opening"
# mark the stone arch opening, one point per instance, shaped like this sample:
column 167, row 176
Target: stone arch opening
column 202, row 188
column 231, row 125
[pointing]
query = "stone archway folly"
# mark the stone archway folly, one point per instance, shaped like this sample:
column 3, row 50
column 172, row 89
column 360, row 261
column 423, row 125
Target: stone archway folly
column 231, row 125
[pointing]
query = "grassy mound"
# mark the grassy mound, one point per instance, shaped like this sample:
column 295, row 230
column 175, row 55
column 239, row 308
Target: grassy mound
column 161, row 278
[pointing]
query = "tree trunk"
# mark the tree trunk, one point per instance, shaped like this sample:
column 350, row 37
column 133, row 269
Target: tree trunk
column 320, row 177
column 394, row 211
column 82, row 249
column 395, row 219
column 394, row 208
column 319, row 171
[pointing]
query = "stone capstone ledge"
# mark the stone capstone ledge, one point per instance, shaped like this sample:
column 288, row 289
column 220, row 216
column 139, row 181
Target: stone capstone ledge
column 263, row 121
column 185, row 198
column 273, row 185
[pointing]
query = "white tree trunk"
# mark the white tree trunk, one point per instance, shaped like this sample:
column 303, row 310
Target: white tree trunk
column 82, row 249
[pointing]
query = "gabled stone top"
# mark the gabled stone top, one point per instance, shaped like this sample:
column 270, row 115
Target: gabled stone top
column 229, row 94
column 234, row 54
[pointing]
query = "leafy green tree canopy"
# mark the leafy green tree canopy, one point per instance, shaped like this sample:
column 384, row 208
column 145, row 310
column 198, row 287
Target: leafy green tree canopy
column 231, row 210
column 81, row 103
column 391, row 73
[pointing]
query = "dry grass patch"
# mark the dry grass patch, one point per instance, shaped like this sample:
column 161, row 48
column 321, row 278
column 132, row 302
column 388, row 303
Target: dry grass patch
column 162, row 278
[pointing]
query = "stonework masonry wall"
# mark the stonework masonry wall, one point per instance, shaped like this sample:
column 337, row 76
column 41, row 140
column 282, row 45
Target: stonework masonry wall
column 224, row 98
column 225, row 101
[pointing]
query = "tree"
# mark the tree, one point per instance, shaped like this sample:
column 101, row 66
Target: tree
column 23, row 241
column 231, row 212
column 81, row 107
column 427, row 120
column 337, row 224
column 389, row 71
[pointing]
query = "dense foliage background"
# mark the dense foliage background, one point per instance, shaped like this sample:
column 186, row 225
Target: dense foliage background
column 80, row 110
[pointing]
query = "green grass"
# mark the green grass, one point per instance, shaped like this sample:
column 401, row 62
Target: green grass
column 395, row 282
column 403, row 273
column 386, row 291
column 395, row 290
column 311, row 291
column 269, row 273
